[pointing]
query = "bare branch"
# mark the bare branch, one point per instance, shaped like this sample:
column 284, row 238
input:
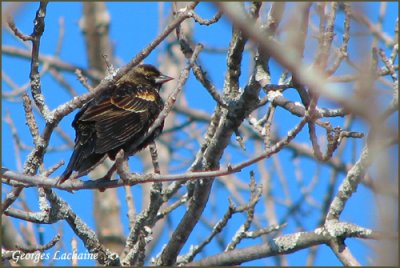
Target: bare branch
column 286, row 244
column 41, row 248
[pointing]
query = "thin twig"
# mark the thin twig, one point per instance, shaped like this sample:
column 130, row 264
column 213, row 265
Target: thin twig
column 202, row 21
column 40, row 248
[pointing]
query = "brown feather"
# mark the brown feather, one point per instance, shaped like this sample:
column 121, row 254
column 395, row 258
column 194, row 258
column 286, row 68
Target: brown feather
column 115, row 119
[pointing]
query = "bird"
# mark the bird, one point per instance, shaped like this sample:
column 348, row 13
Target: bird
column 116, row 119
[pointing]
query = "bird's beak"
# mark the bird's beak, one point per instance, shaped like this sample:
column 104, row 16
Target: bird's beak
column 163, row 79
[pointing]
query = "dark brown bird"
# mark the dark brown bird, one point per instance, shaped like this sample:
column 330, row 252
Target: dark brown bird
column 117, row 118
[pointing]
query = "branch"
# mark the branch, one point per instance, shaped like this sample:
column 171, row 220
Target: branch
column 41, row 248
column 202, row 21
column 343, row 253
column 313, row 78
column 287, row 244
column 36, row 87
column 353, row 178
column 22, row 251
column 87, row 235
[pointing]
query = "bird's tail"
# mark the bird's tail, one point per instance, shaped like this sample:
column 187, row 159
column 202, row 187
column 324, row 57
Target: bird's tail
column 72, row 165
column 82, row 160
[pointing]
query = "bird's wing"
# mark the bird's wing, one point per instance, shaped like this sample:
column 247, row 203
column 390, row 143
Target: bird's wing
column 119, row 118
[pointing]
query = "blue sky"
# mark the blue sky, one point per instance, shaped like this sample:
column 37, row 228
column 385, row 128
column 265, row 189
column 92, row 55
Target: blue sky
column 131, row 30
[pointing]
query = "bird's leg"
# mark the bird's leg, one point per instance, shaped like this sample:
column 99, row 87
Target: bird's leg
column 80, row 174
column 121, row 165
column 71, row 177
column 110, row 172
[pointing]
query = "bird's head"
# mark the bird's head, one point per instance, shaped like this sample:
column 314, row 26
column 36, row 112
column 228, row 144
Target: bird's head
column 145, row 74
